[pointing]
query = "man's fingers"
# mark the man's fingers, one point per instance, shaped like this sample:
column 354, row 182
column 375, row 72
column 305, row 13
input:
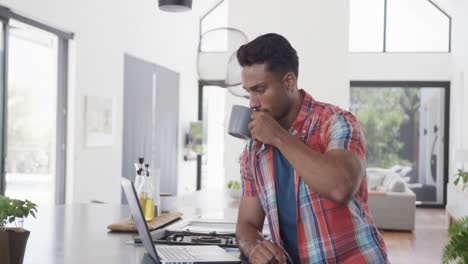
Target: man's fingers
column 268, row 255
column 272, row 247
column 251, row 125
column 281, row 257
column 277, row 252
column 255, row 114
column 259, row 254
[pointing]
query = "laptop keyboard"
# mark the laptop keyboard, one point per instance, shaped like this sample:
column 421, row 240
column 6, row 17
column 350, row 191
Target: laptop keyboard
column 175, row 253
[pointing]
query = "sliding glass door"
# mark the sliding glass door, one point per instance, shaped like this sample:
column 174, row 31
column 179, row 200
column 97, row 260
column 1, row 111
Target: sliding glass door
column 33, row 114
column 31, row 97
column 3, row 23
column 406, row 128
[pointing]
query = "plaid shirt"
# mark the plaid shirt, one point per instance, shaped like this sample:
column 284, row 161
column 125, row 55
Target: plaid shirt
column 327, row 231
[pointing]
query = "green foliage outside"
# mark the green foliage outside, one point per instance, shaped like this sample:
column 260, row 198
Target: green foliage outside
column 382, row 112
column 456, row 251
column 197, row 137
column 29, row 131
column 15, row 211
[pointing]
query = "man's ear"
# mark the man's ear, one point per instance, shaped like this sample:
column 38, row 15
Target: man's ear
column 290, row 81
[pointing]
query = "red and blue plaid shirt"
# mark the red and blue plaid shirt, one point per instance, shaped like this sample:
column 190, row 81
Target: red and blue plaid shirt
column 327, row 232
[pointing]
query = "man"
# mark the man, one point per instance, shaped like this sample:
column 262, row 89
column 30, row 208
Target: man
column 304, row 169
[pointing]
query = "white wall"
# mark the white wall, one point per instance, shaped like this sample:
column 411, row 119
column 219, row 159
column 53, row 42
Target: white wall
column 457, row 201
column 427, row 66
column 459, row 13
column 105, row 30
column 318, row 30
column 458, row 10
column 400, row 67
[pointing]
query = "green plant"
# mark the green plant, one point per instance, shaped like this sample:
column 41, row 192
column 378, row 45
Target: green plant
column 234, row 185
column 456, row 249
column 461, row 175
column 15, row 211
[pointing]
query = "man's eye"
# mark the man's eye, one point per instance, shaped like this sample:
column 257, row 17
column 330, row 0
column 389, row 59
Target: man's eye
column 260, row 91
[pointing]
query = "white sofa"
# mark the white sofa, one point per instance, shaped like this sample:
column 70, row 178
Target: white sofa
column 391, row 202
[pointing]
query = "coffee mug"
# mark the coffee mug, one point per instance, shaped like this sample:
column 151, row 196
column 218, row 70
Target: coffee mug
column 239, row 121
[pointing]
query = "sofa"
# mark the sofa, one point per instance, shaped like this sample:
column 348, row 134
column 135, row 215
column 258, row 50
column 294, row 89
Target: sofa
column 391, row 202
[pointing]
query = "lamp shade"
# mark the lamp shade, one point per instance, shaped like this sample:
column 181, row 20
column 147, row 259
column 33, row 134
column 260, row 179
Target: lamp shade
column 175, row 5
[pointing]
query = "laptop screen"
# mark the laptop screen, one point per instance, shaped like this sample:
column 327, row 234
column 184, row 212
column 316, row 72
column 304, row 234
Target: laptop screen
column 140, row 222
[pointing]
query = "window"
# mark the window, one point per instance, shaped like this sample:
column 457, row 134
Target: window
column 214, row 44
column 33, row 118
column 406, row 130
column 366, row 25
column 215, row 40
column 398, row 26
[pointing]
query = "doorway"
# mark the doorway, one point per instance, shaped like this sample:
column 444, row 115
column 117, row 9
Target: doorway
column 34, row 60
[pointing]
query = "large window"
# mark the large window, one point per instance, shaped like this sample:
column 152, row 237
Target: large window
column 31, row 113
column 398, row 26
column 406, row 131
column 213, row 41
column 33, row 118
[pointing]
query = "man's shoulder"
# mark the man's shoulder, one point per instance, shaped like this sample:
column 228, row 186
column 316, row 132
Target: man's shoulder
column 323, row 112
column 327, row 109
column 326, row 115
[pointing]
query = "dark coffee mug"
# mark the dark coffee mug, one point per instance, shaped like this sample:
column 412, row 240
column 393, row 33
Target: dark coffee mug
column 239, row 121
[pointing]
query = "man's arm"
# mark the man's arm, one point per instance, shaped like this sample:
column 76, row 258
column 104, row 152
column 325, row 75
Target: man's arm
column 248, row 231
column 335, row 175
column 249, row 223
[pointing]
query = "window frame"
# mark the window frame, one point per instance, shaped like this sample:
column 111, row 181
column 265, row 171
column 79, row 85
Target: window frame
column 384, row 40
column 446, row 141
column 63, row 37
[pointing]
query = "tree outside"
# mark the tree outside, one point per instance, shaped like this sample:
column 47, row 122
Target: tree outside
column 29, row 133
column 390, row 119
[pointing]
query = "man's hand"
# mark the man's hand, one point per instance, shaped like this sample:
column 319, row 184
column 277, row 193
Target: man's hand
column 267, row 252
column 264, row 128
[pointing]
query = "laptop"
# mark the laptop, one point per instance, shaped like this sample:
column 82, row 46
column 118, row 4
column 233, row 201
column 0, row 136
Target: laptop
column 172, row 254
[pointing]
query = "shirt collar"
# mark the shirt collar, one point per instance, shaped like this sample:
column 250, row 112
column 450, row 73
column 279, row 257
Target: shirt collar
column 305, row 110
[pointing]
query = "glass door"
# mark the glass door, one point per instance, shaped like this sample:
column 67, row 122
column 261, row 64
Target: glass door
column 30, row 113
column 406, row 129
column 3, row 24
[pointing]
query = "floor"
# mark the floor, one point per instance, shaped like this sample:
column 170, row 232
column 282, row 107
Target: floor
column 424, row 244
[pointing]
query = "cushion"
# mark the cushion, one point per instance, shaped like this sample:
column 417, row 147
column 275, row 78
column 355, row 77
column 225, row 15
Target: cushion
column 385, row 180
column 397, row 185
column 375, row 178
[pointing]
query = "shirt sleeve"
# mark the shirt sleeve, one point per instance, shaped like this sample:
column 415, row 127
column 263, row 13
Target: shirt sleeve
column 345, row 132
column 248, row 183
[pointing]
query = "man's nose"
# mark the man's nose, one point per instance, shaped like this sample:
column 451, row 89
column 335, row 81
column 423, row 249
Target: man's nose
column 254, row 102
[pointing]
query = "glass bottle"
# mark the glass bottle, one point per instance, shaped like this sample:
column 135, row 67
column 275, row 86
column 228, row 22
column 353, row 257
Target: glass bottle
column 145, row 195
column 139, row 172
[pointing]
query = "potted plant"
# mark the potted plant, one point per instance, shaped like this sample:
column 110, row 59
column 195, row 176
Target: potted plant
column 13, row 239
column 234, row 189
column 463, row 176
column 456, row 249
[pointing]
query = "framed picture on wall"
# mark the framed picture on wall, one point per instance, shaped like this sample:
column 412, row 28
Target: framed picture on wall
column 99, row 121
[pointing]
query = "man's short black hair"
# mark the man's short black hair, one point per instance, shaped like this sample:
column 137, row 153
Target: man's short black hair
column 272, row 49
